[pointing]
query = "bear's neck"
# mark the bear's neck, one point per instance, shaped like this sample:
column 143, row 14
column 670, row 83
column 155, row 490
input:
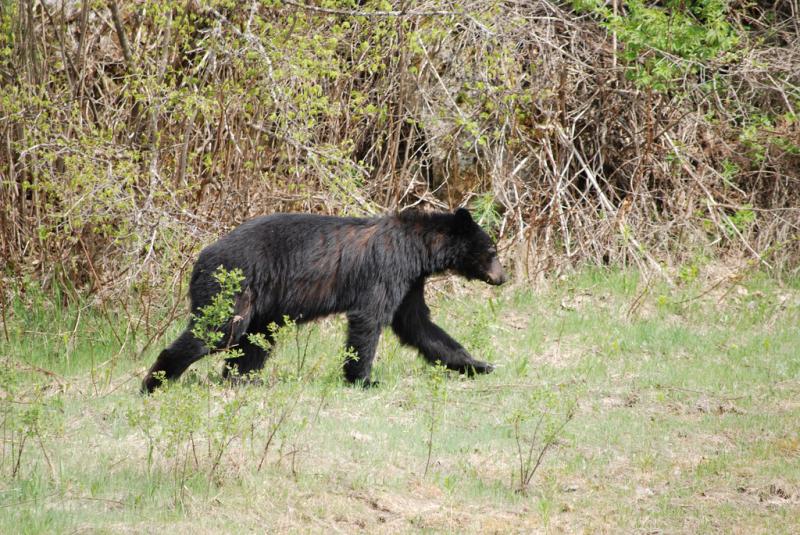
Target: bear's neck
column 422, row 245
column 437, row 258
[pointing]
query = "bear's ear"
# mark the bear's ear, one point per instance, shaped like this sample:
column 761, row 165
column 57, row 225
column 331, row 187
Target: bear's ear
column 463, row 219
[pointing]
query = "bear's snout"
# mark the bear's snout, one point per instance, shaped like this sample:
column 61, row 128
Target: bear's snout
column 496, row 274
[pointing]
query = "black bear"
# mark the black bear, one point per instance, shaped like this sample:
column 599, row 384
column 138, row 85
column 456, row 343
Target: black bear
column 306, row 266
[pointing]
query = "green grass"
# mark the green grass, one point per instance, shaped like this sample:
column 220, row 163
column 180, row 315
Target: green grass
column 685, row 419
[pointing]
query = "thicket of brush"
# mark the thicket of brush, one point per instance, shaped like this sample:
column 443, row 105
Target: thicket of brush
column 655, row 133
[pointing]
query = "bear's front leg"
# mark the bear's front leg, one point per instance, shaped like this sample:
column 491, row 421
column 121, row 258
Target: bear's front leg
column 437, row 347
column 363, row 333
column 413, row 325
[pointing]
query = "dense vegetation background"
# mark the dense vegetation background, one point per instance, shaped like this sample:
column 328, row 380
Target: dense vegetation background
column 655, row 133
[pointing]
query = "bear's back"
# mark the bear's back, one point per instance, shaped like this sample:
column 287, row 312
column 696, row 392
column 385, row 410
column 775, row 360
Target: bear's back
column 278, row 236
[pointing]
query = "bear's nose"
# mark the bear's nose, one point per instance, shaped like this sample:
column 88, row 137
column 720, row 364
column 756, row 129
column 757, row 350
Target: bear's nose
column 496, row 274
column 500, row 279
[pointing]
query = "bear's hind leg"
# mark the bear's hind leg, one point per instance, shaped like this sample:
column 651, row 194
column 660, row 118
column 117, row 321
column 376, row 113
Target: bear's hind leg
column 174, row 360
column 253, row 354
column 252, row 358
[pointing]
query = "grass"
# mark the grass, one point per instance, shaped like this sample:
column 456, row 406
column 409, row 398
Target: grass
column 681, row 416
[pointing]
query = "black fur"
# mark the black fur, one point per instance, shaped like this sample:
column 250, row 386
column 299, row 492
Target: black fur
column 306, row 266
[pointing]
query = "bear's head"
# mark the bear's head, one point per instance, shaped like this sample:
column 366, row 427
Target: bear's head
column 476, row 254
